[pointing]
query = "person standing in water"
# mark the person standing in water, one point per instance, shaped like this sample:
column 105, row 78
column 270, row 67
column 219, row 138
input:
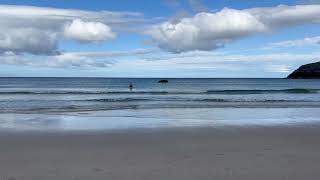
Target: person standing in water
column 130, row 86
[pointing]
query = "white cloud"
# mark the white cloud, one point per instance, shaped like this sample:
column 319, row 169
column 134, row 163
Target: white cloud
column 187, row 64
column 28, row 40
column 88, row 31
column 45, row 13
column 71, row 59
column 309, row 41
column 92, row 59
column 282, row 68
column 215, row 64
column 207, row 31
column 210, row 57
column 113, row 54
column 36, row 30
column 57, row 61
column 284, row 16
column 68, row 60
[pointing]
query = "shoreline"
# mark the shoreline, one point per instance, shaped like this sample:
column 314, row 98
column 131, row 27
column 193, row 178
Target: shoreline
column 159, row 118
column 237, row 152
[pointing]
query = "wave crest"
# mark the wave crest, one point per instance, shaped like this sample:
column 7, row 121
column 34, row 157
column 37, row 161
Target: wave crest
column 271, row 91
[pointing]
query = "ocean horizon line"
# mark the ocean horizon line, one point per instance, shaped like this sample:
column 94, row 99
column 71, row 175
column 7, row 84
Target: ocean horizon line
column 144, row 77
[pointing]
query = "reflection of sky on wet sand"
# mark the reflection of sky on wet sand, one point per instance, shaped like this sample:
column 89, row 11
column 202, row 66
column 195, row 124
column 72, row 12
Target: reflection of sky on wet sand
column 160, row 118
column 29, row 121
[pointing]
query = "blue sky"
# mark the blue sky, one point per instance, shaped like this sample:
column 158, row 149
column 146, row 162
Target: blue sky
column 160, row 38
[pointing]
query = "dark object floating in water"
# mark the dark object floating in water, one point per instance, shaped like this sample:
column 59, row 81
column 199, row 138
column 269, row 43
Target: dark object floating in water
column 307, row 71
column 163, row 81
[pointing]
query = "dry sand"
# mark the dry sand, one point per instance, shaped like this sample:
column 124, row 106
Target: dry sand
column 237, row 153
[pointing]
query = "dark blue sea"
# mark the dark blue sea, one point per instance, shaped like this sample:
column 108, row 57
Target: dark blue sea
column 191, row 100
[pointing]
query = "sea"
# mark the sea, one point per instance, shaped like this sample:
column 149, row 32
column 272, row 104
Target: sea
column 109, row 103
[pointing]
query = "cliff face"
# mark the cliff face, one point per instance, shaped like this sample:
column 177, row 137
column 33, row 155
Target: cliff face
column 307, row 71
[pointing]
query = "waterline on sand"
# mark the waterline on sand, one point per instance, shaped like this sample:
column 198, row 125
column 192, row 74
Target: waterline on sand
column 159, row 118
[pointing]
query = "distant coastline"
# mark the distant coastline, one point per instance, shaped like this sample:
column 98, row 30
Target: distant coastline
column 307, row 71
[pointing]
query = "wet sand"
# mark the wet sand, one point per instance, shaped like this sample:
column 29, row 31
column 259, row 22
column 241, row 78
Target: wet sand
column 230, row 153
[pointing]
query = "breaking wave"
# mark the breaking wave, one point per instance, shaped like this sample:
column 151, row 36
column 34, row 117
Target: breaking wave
column 272, row 91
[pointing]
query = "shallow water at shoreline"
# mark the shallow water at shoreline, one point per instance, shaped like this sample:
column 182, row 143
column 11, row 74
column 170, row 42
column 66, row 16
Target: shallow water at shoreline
column 159, row 118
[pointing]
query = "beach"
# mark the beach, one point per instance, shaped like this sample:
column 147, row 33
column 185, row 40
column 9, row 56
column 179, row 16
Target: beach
column 160, row 90
column 187, row 129
column 232, row 152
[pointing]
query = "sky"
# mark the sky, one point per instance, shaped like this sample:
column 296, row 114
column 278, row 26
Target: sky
column 158, row 38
